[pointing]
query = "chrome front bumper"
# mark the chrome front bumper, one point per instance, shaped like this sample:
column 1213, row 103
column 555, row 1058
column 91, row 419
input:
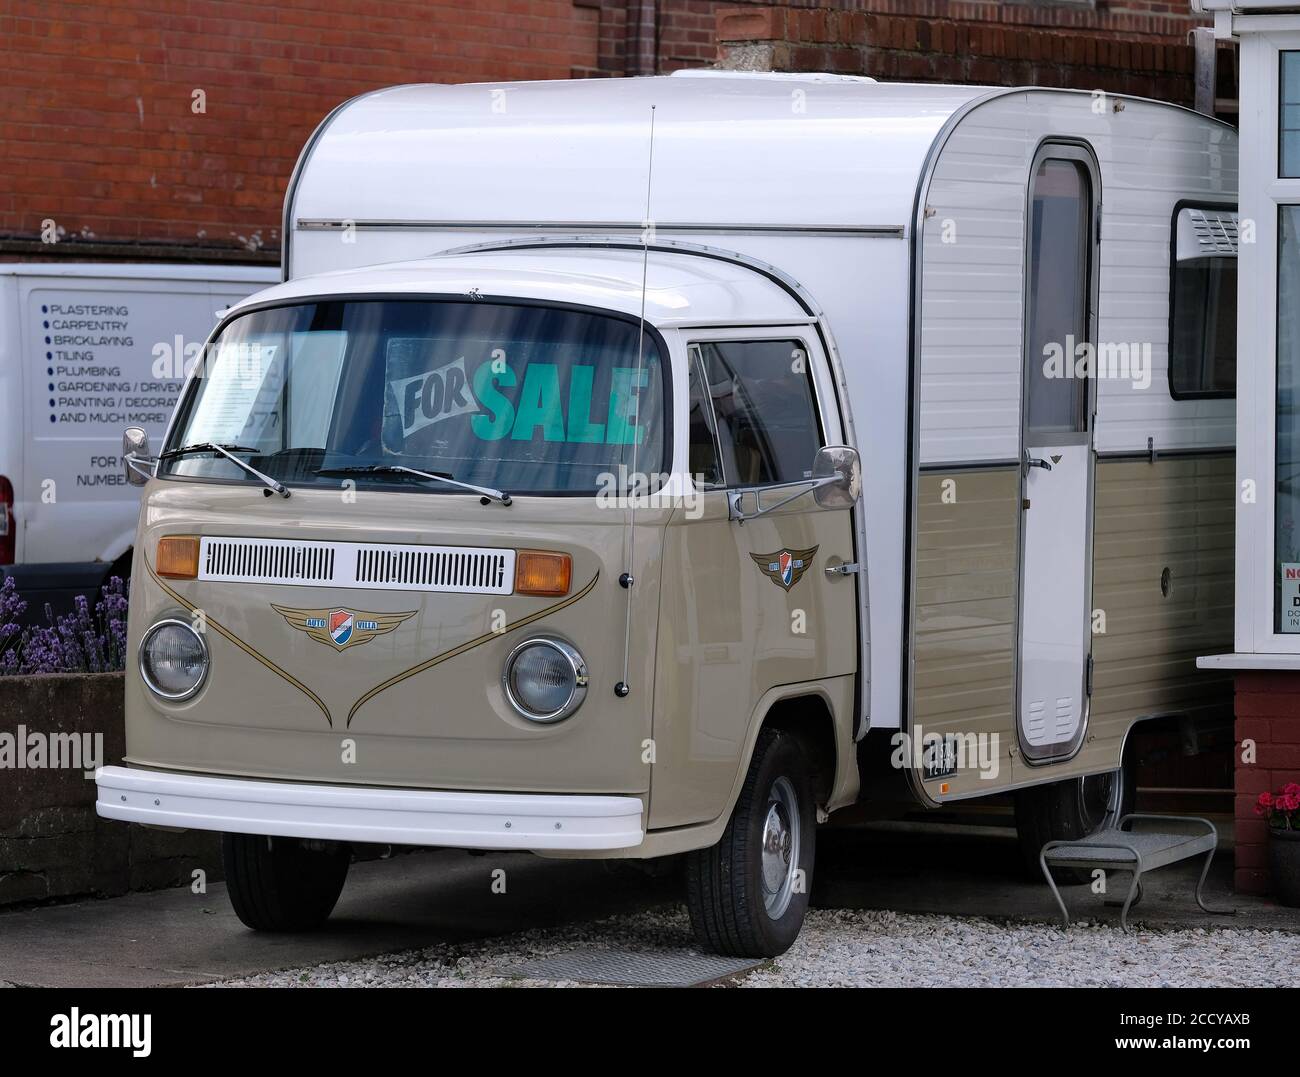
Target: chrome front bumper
column 369, row 814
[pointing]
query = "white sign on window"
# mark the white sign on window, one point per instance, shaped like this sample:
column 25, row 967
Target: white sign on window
column 1290, row 579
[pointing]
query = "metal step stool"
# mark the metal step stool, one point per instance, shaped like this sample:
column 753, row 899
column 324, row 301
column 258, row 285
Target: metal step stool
column 1137, row 851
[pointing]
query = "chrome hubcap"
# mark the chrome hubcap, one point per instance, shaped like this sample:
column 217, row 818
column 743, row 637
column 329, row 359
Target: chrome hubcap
column 780, row 855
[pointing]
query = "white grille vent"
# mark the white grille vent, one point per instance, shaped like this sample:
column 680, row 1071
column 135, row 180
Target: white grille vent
column 1205, row 233
column 1216, row 232
column 369, row 566
column 267, row 562
column 437, row 569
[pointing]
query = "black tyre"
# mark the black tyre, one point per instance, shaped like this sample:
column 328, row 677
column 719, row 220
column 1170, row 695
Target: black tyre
column 748, row 894
column 282, row 884
column 1068, row 810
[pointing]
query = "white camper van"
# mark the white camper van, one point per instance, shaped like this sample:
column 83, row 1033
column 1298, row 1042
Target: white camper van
column 936, row 382
column 84, row 349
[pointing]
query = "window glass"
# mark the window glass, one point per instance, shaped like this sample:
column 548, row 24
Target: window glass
column 703, row 462
column 1288, row 155
column 1203, row 298
column 1287, row 507
column 1059, row 254
column 763, row 402
column 526, row 399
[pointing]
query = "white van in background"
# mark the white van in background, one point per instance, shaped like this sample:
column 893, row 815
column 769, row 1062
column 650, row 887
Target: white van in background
column 86, row 349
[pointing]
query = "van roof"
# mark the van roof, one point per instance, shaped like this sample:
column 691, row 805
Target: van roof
column 681, row 288
column 729, row 149
column 142, row 271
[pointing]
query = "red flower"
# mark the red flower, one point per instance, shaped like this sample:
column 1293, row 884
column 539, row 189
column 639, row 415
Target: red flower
column 1264, row 803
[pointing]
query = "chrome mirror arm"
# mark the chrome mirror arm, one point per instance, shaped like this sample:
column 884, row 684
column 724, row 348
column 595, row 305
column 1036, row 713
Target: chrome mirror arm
column 735, row 510
column 144, row 466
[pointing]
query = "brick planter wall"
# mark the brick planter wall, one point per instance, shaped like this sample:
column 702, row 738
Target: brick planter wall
column 52, row 844
column 1268, row 713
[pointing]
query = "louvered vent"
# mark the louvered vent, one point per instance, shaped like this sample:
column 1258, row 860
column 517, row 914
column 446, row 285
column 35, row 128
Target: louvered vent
column 433, row 569
column 1215, row 231
column 265, row 561
column 371, row 566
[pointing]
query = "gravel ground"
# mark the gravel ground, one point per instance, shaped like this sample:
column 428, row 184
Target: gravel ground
column 840, row 948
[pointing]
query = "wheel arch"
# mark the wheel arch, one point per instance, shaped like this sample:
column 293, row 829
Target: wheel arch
column 820, row 715
column 808, row 719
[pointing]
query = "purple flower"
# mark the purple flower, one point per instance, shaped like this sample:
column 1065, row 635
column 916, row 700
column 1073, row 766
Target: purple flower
column 83, row 641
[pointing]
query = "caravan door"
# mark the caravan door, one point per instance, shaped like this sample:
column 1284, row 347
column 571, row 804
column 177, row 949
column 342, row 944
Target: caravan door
column 1055, row 640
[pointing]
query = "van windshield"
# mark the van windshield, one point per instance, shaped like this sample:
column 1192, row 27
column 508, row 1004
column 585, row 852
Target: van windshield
column 527, row 399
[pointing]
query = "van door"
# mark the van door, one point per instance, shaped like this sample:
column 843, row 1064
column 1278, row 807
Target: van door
column 747, row 605
column 1055, row 641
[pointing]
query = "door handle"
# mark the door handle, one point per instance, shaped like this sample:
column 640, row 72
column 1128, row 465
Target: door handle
column 846, row 568
column 1033, row 461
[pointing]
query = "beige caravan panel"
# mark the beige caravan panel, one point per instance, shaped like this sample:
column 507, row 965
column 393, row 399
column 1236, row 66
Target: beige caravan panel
column 1162, row 594
column 1175, row 514
column 964, row 651
column 1162, row 588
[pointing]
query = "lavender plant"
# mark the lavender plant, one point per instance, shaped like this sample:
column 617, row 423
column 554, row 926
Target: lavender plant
column 78, row 642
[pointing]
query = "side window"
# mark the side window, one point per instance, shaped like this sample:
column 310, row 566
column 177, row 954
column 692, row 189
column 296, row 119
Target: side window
column 1060, row 253
column 1203, row 304
column 764, row 410
column 704, row 458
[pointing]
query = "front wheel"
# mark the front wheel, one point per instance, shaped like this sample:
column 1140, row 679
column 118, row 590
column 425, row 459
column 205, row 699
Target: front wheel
column 748, row 894
column 283, row 884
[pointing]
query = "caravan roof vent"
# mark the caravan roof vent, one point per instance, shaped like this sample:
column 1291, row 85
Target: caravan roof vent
column 769, row 76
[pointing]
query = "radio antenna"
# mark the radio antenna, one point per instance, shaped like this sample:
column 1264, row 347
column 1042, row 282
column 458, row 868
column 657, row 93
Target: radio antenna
column 626, row 580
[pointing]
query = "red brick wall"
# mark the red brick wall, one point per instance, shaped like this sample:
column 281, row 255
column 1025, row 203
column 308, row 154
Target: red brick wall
column 1141, row 49
column 97, row 131
column 1268, row 713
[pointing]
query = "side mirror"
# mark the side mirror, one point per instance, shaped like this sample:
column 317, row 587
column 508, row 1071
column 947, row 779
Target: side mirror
column 842, row 464
column 135, row 456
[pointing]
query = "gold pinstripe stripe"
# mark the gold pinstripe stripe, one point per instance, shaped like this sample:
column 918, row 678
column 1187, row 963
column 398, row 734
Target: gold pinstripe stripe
column 457, row 651
column 244, row 646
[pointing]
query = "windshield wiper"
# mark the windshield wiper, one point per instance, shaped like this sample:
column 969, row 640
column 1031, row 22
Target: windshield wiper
column 228, row 452
column 486, row 492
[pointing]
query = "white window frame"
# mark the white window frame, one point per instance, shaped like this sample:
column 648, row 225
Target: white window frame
column 1262, row 193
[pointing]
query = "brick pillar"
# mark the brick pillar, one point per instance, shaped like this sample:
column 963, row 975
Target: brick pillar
column 1268, row 715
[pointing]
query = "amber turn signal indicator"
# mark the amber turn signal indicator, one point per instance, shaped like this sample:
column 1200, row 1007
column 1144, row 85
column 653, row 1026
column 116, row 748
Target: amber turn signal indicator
column 178, row 557
column 541, row 573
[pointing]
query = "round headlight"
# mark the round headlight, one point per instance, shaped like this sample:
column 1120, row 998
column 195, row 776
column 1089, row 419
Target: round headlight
column 173, row 659
column 545, row 679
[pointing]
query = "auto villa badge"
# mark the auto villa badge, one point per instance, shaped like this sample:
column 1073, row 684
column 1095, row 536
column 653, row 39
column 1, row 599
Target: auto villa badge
column 785, row 568
column 339, row 627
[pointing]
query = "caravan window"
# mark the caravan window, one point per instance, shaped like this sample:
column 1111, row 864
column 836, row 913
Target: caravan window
column 1060, row 253
column 1203, row 303
column 763, row 411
